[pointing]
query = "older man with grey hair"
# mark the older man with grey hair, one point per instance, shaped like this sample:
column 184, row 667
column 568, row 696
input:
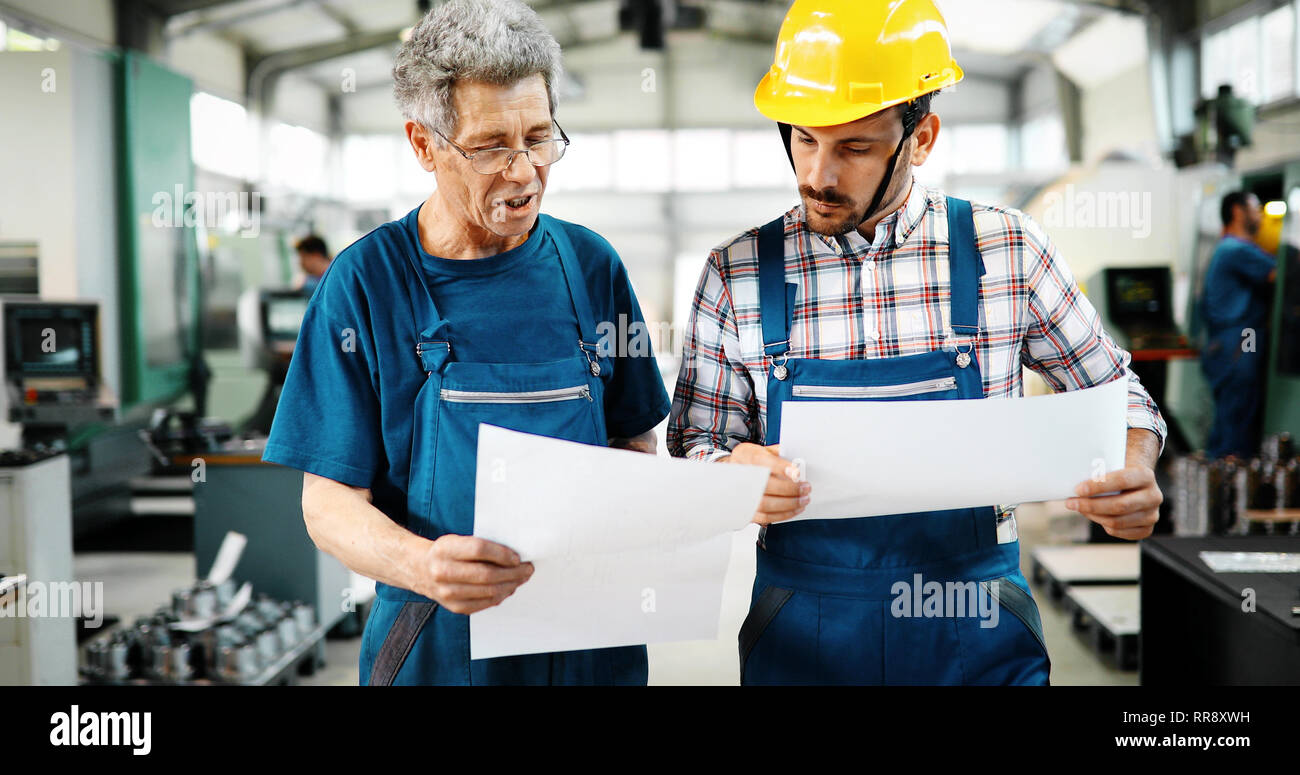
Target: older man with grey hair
column 473, row 308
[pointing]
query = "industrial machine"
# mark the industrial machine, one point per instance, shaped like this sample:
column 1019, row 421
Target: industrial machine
column 1229, row 496
column 269, row 320
column 38, row 644
column 52, row 376
column 1140, row 306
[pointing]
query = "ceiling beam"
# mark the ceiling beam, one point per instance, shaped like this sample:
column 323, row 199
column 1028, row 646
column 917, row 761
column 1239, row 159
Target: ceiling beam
column 264, row 69
column 168, row 8
column 190, row 23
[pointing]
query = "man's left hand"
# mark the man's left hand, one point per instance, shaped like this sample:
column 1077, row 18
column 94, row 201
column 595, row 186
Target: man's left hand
column 1125, row 502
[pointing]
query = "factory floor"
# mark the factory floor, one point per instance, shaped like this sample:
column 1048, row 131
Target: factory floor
column 137, row 582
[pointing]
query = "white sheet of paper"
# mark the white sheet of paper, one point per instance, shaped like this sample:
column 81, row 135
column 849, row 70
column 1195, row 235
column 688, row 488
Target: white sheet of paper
column 228, row 554
column 1252, row 562
column 628, row 548
column 868, row 458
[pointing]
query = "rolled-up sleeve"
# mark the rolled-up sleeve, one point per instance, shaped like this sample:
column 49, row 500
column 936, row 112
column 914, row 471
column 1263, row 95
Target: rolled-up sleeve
column 1066, row 343
column 713, row 404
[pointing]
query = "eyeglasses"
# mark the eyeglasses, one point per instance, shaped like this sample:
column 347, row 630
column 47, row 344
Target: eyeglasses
column 491, row 161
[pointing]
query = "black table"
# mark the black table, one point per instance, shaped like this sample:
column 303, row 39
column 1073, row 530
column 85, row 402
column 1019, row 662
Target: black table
column 1194, row 630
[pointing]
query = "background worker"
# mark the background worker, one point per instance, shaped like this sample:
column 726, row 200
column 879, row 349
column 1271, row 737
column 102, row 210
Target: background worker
column 314, row 259
column 1236, row 302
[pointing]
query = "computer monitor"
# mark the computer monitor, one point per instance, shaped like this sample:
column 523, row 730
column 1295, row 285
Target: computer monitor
column 282, row 313
column 50, row 339
column 1139, row 297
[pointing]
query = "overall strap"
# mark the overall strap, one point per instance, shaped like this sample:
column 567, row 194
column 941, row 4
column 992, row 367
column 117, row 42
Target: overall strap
column 775, row 296
column 431, row 351
column 965, row 268
column 587, row 338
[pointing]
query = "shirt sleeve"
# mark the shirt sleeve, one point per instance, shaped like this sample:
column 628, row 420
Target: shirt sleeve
column 1066, row 343
column 635, row 398
column 713, row 404
column 328, row 420
column 1253, row 264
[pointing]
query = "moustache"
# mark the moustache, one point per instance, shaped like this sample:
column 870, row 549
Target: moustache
column 829, row 196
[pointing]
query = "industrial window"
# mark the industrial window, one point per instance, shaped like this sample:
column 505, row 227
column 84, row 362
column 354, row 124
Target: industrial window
column 220, row 138
column 702, row 160
column 1278, row 53
column 1042, row 145
column 979, row 148
column 588, row 165
column 757, row 160
column 369, row 167
column 641, row 160
column 298, row 160
column 1256, row 56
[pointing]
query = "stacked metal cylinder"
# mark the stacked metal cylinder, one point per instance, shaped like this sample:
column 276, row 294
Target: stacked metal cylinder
column 1212, row 497
column 233, row 651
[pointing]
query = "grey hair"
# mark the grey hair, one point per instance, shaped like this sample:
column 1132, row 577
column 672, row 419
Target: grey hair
column 499, row 42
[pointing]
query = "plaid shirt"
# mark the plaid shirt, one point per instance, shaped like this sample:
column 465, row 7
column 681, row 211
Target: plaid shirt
column 886, row 299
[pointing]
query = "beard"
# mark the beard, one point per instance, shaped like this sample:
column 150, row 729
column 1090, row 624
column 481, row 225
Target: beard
column 849, row 218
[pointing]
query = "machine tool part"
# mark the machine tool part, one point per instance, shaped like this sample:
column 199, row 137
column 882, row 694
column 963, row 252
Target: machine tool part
column 304, row 617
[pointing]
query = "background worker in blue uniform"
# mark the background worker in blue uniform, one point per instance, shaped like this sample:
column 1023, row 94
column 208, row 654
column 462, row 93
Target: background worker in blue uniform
column 473, row 308
column 874, row 288
column 1235, row 303
column 313, row 259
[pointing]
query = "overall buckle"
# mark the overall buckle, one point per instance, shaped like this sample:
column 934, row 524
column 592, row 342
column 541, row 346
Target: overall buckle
column 964, row 356
column 593, row 363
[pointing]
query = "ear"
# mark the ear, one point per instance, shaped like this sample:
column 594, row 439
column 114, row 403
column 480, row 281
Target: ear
column 927, row 131
column 423, row 143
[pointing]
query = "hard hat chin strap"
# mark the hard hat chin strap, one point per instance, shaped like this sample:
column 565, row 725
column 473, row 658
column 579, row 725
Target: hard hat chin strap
column 786, row 131
column 889, row 178
column 910, row 120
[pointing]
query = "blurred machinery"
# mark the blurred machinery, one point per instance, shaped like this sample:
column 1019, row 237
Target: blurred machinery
column 208, row 636
column 269, row 320
column 1138, row 302
column 1229, row 496
column 36, row 551
column 52, row 377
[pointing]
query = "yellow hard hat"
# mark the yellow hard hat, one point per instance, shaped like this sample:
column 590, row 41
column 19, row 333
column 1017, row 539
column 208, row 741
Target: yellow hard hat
column 841, row 60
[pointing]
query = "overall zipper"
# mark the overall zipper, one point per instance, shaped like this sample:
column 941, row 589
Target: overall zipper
column 874, row 391
column 522, row 397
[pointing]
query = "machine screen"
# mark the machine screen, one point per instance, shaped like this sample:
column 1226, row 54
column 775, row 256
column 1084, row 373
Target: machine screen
column 284, row 316
column 49, row 340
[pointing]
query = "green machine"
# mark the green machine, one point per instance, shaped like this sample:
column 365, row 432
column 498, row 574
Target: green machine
column 159, row 209
column 1282, row 410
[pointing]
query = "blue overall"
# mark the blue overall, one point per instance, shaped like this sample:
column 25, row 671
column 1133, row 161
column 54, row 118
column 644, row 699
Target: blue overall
column 823, row 609
column 1237, row 302
column 410, row 639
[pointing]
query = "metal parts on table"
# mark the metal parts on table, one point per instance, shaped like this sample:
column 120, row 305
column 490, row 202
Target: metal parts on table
column 1260, row 496
column 241, row 650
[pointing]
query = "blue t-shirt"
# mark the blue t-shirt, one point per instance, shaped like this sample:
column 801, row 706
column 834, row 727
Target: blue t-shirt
column 1236, row 286
column 347, row 407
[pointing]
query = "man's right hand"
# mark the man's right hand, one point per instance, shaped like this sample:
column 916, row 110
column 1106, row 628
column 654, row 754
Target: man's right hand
column 784, row 497
column 465, row 574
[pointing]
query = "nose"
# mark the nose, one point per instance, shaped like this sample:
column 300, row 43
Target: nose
column 520, row 169
column 823, row 171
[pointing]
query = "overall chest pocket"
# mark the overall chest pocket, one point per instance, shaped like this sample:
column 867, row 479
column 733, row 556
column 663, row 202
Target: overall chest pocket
column 555, row 399
column 929, row 389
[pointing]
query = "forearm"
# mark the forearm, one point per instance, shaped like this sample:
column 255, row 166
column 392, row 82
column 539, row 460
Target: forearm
column 1143, row 448
column 343, row 522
